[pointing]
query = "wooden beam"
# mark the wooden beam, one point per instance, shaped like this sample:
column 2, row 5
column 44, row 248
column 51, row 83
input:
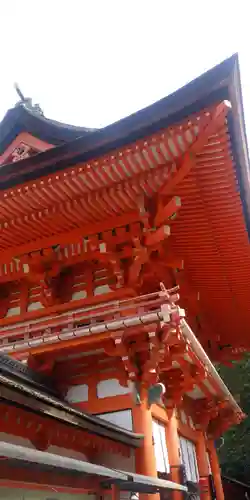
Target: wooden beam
column 68, row 372
column 208, row 126
column 183, row 170
column 37, row 274
column 69, row 237
column 167, row 211
column 155, row 237
column 119, row 294
column 91, row 341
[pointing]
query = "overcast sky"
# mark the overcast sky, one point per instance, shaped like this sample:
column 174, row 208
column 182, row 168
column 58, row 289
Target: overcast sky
column 91, row 62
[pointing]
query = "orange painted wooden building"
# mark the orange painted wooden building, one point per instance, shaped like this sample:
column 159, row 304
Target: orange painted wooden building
column 124, row 267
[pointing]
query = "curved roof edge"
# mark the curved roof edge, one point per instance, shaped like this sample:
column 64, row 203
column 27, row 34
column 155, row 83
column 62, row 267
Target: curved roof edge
column 24, row 388
column 27, row 118
column 238, row 135
column 219, row 83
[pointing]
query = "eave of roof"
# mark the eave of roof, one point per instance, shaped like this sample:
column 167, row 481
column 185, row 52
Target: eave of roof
column 31, row 396
column 220, row 83
column 126, row 481
column 22, row 119
column 14, row 368
column 201, row 354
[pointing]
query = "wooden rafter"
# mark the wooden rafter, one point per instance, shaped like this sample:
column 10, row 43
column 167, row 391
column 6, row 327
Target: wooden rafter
column 69, row 237
column 211, row 123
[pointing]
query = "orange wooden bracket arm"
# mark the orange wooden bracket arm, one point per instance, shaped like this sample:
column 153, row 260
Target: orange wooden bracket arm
column 167, row 211
column 71, row 236
column 207, row 127
column 152, row 238
column 211, row 124
column 187, row 163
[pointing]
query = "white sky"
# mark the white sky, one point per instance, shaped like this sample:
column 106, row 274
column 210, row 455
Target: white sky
column 91, row 62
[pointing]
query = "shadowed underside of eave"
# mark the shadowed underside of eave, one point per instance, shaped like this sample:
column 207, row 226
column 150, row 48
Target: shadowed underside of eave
column 211, row 236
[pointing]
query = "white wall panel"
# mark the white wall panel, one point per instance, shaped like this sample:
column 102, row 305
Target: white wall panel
column 10, row 438
column 81, row 294
column 111, row 387
column 116, row 461
column 101, row 289
column 13, row 311
column 122, row 418
column 78, row 394
column 57, row 450
column 34, row 306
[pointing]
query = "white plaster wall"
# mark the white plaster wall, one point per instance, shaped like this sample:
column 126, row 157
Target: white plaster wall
column 77, row 393
column 67, row 453
column 34, row 306
column 99, row 290
column 117, row 461
column 9, row 438
column 81, row 294
column 122, row 418
column 111, row 387
column 57, row 450
column 13, row 311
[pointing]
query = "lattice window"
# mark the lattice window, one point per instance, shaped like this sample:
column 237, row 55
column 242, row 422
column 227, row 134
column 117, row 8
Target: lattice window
column 188, row 458
column 160, row 446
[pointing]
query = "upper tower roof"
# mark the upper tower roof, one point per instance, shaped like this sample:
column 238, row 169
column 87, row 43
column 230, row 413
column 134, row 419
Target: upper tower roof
column 25, row 117
column 28, row 118
column 76, row 144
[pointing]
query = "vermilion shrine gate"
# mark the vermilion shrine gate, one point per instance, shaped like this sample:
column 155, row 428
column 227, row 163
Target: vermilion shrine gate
column 124, row 264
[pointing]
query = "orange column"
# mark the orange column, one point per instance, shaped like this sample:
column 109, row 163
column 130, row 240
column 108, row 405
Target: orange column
column 115, row 492
column 173, row 447
column 203, row 467
column 215, row 469
column 145, row 456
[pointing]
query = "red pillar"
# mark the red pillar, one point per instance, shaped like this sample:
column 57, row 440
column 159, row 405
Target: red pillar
column 203, row 468
column 173, row 447
column 115, row 492
column 215, row 469
column 145, row 456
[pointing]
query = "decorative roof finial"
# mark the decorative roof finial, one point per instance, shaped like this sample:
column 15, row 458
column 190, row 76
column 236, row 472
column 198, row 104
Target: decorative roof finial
column 19, row 92
column 27, row 101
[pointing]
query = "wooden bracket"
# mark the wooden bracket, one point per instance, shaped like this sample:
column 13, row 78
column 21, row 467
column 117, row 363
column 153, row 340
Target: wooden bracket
column 168, row 211
column 208, row 126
